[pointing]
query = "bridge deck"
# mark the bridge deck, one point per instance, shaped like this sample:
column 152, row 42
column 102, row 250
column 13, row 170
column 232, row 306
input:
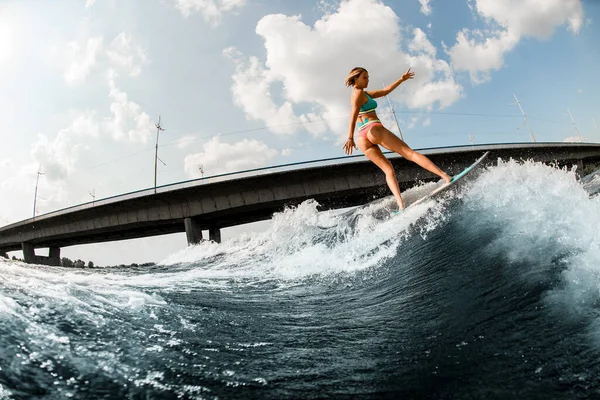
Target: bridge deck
column 233, row 199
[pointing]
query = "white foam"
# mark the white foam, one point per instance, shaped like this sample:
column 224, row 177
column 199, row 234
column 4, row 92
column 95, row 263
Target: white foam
column 302, row 242
column 545, row 215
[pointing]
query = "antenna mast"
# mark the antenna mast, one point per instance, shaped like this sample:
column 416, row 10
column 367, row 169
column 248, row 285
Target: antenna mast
column 35, row 196
column 526, row 120
column 158, row 129
column 575, row 125
column 394, row 113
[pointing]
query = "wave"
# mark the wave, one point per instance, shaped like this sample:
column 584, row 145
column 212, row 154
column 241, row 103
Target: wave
column 492, row 291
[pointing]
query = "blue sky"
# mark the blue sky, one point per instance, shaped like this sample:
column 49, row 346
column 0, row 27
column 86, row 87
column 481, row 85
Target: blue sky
column 250, row 83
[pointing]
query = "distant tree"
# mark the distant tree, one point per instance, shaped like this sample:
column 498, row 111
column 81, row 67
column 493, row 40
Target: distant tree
column 66, row 262
column 90, row 264
column 79, row 264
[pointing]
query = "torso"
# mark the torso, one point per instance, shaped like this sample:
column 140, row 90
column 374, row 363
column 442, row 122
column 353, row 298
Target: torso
column 370, row 115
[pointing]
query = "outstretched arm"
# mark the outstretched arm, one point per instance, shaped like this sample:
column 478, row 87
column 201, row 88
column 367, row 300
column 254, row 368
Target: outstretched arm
column 387, row 90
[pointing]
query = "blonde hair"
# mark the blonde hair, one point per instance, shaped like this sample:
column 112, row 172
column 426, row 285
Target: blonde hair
column 351, row 79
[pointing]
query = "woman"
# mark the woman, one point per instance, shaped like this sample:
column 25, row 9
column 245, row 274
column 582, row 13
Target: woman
column 372, row 134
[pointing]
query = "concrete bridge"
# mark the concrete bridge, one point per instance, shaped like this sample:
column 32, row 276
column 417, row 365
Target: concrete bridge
column 233, row 199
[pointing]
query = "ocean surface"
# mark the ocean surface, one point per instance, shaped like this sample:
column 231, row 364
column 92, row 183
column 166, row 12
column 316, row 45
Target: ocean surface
column 492, row 292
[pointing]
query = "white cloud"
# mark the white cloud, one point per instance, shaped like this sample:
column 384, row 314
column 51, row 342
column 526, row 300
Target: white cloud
column 532, row 17
column 84, row 123
column 58, row 156
column 305, row 67
column 89, row 3
column 425, row 7
column 327, row 7
column 211, row 10
column 83, row 59
column 420, row 43
column 125, row 54
column 217, row 157
column 128, row 121
column 185, row 141
column 480, row 52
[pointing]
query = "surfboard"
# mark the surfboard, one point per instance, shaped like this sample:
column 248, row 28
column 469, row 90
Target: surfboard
column 455, row 181
column 383, row 211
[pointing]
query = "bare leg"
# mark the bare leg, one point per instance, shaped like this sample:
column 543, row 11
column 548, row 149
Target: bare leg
column 382, row 136
column 374, row 154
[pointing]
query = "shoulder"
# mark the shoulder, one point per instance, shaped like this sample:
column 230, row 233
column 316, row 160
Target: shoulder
column 358, row 95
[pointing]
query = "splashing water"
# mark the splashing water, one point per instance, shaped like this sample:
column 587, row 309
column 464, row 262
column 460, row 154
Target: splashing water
column 491, row 292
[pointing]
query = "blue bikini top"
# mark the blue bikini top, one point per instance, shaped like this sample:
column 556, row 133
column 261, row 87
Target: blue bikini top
column 369, row 106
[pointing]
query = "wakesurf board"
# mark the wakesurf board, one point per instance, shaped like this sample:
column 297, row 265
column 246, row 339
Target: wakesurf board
column 453, row 183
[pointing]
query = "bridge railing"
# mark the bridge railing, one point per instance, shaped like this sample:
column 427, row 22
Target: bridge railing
column 189, row 183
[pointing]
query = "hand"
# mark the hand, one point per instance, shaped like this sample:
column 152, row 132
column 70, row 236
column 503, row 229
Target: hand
column 349, row 146
column 408, row 75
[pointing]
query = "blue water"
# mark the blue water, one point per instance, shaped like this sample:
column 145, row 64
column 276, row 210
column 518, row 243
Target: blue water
column 492, row 292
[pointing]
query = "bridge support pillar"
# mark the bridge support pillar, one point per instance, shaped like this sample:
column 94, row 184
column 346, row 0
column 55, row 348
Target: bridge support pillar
column 580, row 172
column 193, row 232
column 54, row 256
column 29, row 256
column 3, row 253
column 214, row 234
column 28, row 253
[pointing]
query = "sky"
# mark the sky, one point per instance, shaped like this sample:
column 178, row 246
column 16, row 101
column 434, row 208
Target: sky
column 242, row 84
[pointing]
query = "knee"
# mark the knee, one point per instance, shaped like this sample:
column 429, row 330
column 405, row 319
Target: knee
column 388, row 170
column 409, row 154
